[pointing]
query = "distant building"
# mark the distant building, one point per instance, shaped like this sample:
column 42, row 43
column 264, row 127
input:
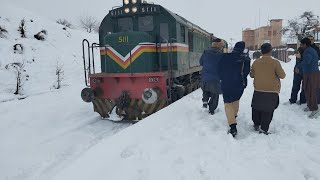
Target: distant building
column 271, row 34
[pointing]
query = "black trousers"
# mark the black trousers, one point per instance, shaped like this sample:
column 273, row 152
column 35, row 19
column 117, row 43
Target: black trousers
column 262, row 119
column 296, row 87
column 213, row 102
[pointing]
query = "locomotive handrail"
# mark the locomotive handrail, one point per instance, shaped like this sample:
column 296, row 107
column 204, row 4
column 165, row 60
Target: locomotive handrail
column 94, row 45
column 115, row 7
column 84, row 59
column 169, row 71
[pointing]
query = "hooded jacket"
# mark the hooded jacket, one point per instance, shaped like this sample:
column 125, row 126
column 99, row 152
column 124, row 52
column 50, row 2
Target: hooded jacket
column 233, row 71
column 209, row 61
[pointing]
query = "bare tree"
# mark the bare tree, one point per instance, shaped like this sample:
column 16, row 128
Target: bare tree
column 59, row 74
column 21, row 76
column 89, row 23
column 3, row 31
column 22, row 28
column 65, row 23
column 302, row 26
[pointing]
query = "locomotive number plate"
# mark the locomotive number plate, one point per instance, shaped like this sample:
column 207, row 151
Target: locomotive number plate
column 153, row 79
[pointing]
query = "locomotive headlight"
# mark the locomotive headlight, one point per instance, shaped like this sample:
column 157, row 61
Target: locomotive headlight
column 126, row 2
column 134, row 9
column 150, row 95
column 134, row 1
column 127, row 10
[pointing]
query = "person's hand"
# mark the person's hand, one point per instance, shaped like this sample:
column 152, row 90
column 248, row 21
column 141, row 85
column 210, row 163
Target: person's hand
column 298, row 55
column 296, row 70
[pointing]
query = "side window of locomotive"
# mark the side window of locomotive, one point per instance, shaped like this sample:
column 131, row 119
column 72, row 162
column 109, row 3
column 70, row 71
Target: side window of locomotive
column 190, row 39
column 125, row 24
column 164, row 32
column 183, row 33
column 145, row 23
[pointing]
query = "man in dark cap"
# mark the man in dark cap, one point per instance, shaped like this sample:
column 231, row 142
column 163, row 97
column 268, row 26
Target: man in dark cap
column 267, row 73
column 210, row 81
column 234, row 69
column 314, row 46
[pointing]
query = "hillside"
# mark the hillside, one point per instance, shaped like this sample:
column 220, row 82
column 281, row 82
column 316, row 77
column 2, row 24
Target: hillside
column 40, row 58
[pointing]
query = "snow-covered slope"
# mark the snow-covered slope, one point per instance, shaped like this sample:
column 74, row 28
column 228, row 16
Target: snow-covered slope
column 184, row 142
column 41, row 134
column 52, row 134
column 40, row 57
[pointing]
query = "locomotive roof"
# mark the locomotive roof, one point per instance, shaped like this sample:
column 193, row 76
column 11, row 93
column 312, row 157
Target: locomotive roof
column 184, row 21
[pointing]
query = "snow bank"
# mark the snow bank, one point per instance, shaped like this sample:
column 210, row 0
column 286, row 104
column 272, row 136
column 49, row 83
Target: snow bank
column 184, row 142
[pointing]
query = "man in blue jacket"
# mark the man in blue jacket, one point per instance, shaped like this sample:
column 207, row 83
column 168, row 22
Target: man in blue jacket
column 210, row 81
column 311, row 76
column 234, row 69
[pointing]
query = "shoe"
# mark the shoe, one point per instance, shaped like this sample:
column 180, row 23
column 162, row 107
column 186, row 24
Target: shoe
column 256, row 127
column 313, row 113
column 233, row 130
column 263, row 132
column 205, row 104
column 306, row 109
column 212, row 113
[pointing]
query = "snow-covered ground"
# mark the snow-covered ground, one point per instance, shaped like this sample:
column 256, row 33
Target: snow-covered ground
column 52, row 134
column 48, row 129
column 40, row 57
column 184, row 142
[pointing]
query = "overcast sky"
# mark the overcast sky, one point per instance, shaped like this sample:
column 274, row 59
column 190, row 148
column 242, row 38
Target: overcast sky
column 224, row 18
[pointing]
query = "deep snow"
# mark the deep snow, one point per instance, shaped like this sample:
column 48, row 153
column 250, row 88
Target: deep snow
column 41, row 134
column 52, row 134
column 184, row 142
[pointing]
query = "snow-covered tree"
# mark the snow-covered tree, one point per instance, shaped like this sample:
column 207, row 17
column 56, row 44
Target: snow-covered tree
column 18, row 48
column 59, row 75
column 65, row 23
column 302, row 26
column 21, row 75
column 22, row 28
column 42, row 35
column 89, row 23
column 3, row 31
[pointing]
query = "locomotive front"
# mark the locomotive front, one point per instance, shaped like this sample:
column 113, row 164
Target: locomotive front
column 131, row 84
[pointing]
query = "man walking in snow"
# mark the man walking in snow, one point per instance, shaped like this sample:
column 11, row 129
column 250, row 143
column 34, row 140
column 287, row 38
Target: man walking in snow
column 233, row 71
column 210, row 81
column 297, row 81
column 311, row 76
column 267, row 73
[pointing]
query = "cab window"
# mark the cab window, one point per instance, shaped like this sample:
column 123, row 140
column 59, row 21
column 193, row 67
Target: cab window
column 146, row 23
column 125, row 24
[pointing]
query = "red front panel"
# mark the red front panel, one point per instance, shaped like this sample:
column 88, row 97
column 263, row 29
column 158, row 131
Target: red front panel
column 113, row 85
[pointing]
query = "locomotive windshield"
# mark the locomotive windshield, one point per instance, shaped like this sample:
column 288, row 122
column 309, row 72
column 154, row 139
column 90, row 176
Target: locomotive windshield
column 125, row 24
column 146, row 23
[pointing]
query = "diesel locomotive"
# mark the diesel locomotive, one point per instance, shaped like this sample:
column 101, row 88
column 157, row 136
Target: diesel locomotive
column 149, row 58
